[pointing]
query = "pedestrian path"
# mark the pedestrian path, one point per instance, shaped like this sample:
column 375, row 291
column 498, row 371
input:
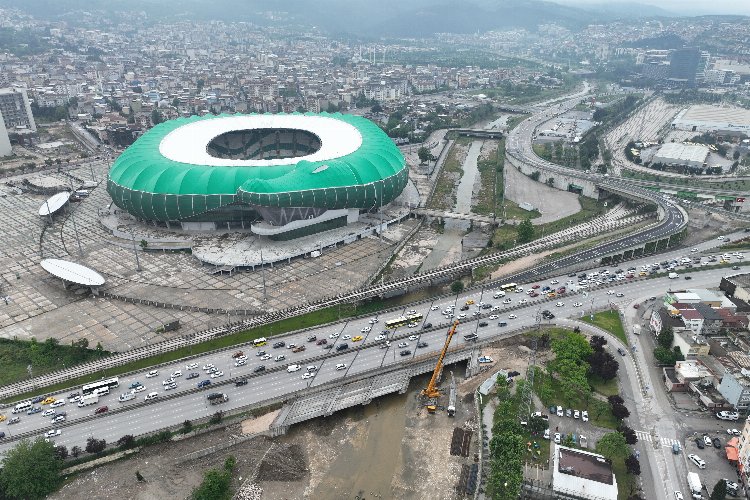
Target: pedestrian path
column 646, row 436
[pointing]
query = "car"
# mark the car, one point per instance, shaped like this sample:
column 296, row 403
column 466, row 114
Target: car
column 707, row 439
column 240, row 362
column 58, row 403
column 192, row 375
column 151, row 395
column 462, row 316
column 559, row 411
column 177, row 373
column 546, row 433
column 483, row 324
column 191, row 366
column 621, row 351
column 698, row 461
column 52, row 433
column 260, row 353
column 427, row 326
column 238, row 354
column 138, row 388
column 464, row 308
column 101, row 409
column 380, row 337
column 217, row 374
column 48, row 413
column 34, row 409
column 731, row 485
column 486, row 359
column 434, row 308
column 678, row 496
column 14, row 420
column 328, row 346
column 37, row 399
column 402, row 344
column 170, row 386
column 699, row 443
column 341, row 366
column 468, row 302
column 512, row 316
column 208, row 366
column 717, row 443
column 522, row 301
column 342, row 347
column 576, row 414
column 610, row 292
column 585, row 416
column 357, row 338
column 346, row 337
column 619, row 294
column 48, row 400
column 694, row 250
column 153, row 373
column 265, row 357
column 385, row 345
column 74, row 399
column 240, row 382
column 577, row 304
column 559, row 304
column 735, row 268
column 636, row 306
column 557, row 438
column 291, row 346
column 533, row 294
column 554, row 282
column 307, row 375
column 279, row 344
column 366, row 329
column 259, row 368
column 405, row 352
column 493, row 317
column 293, row 368
column 169, row 381
column 422, row 344
column 568, row 412
column 728, row 415
column 373, row 321
column 507, row 301
column 412, row 337
column 688, row 277
column 731, row 432
column 312, row 338
column 321, row 342
column 58, row 419
column 720, row 238
column 242, row 358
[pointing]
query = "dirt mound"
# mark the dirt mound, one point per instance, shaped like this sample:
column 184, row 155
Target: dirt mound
column 286, row 462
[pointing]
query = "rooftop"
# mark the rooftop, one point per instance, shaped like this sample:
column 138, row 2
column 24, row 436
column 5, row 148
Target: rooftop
column 716, row 114
column 583, row 473
column 682, row 152
column 692, row 369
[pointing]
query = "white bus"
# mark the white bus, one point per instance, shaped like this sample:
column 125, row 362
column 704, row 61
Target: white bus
column 96, row 386
column 22, row 407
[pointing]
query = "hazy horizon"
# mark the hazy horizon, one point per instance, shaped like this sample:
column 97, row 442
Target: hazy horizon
column 687, row 7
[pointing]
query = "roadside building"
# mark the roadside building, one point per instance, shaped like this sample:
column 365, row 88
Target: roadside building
column 578, row 474
column 690, row 344
column 735, row 387
column 679, row 378
column 676, row 154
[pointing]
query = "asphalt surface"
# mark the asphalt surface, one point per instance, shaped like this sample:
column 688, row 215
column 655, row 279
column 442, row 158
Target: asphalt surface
column 172, row 408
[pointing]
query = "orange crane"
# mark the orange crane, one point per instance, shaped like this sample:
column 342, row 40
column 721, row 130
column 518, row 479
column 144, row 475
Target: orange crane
column 431, row 391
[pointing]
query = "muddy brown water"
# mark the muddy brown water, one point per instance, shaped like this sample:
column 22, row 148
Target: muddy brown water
column 365, row 467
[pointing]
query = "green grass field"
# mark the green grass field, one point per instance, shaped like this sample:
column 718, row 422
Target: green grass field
column 610, row 321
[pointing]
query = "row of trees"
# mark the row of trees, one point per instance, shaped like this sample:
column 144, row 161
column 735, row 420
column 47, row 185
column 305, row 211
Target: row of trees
column 507, row 445
column 601, row 362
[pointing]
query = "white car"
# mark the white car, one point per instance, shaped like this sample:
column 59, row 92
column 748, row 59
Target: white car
column 74, row 399
column 242, row 358
column 373, row 321
column 152, row 395
column 177, row 373
column 170, row 380
column 293, row 368
column 191, row 366
column 522, row 301
column 346, row 337
column 280, row 357
column 307, row 375
column 585, row 416
column 58, row 403
column 694, row 250
column 240, row 362
column 365, row 329
column 495, row 308
column 560, row 411
column 47, row 413
column 698, row 461
column 341, row 366
column 554, row 282
column 512, row 316
column 507, row 301
column 139, row 388
column 610, row 292
column 380, row 337
column 731, row 432
column 208, row 366
column 493, row 317
column 557, row 438
column 217, row 374
column 559, row 304
column 334, row 335
column 52, row 433
column 401, row 345
column 152, row 374
column 265, row 357
column 546, row 433
column 434, row 308
column 412, row 337
column 577, row 304
column 462, row 316
column 576, row 414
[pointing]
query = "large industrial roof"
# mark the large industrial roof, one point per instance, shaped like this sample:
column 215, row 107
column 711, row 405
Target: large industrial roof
column 187, row 143
column 682, row 152
column 72, row 272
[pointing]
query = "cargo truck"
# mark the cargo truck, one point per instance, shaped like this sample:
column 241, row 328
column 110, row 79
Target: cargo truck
column 217, row 398
column 695, row 485
column 91, row 399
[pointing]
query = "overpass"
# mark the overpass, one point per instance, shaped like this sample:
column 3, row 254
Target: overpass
column 441, row 214
column 480, row 133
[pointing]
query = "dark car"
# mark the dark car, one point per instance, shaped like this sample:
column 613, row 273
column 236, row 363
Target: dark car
column 312, row 338
column 342, row 347
column 464, row 307
column 427, row 325
column 717, row 443
column 260, row 368
column 513, row 373
column 699, row 443
column 572, row 275
column 37, row 399
column 688, row 277
column 101, row 409
column 552, row 409
column 278, row 344
column 192, row 375
column 421, row 344
column 74, row 394
column 483, row 323
column 34, row 409
column 204, row 383
column 621, row 351
column 240, row 382
column 321, row 342
column 2, row 434
column 486, row 306
column 405, row 352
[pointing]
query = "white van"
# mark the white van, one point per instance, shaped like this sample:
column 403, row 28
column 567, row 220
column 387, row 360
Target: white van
column 22, row 407
column 126, row 397
column 673, row 275
column 498, row 294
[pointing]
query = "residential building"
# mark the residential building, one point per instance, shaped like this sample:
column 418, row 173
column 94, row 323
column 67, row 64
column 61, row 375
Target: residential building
column 15, row 109
column 5, row 148
column 679, row 377
column 743, row 453
column 580, row 474
column 735, row 387
column 690, row 344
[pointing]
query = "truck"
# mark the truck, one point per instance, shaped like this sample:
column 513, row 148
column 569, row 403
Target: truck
column 91, row 399
column 695, row 485
column 217, row 398
column 673, row 276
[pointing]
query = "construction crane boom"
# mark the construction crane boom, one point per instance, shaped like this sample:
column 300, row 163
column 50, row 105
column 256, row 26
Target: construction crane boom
column 431, row 390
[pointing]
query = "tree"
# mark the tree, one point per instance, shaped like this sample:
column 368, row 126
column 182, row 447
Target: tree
column 613, row 446
column 597, row 343
column 629, row 434
column 720, row 490
column 525, row 231
column 61, row 452
column 457, row 287
column 187, row 426
column 216, row 418
column 75, row 451
column 215, row 485
column 376, row 108
column 144, row 244
column 666, row 337
column 537, row 425
column 125, row 442
column 332, row 108
column 30, row 470
column 424, row 155
column 620, row 411
column 199, row 84
column 94, row 445
column 175, row 102
column 603, row 364
column 156, row 117
column 633, row 465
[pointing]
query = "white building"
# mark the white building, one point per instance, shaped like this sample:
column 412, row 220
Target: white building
column 15, row 109
column 674, row 153
column 578, row 474
column 5, row 148
column 703, row 118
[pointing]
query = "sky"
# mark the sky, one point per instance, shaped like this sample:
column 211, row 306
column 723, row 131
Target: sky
column 689, row 7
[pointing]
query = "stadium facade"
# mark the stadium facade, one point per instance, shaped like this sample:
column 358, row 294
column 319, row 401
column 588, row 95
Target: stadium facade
column 283, row 175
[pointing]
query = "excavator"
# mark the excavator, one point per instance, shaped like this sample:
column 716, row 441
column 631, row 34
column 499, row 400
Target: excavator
column 431, row 392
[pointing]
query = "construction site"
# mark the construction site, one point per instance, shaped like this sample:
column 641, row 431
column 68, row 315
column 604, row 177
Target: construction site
column 422, row 443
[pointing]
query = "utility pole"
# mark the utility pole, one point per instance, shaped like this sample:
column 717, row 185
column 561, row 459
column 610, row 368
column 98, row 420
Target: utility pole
column 262, row 268
column 135, row 251
column 75, row 229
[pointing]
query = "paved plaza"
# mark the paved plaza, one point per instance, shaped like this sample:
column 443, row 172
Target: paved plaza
column 39, row 306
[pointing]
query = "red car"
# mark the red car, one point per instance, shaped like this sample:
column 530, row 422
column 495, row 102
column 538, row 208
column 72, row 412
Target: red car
column 561, row 289
column 533, row 294
column 321, row 342
column 636, row 306
column 535, row 287
column 101, row 409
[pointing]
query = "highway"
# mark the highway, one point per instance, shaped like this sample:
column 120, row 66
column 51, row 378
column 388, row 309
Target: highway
column 171, row 408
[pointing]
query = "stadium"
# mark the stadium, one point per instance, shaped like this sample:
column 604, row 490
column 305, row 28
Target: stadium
column 282, row 175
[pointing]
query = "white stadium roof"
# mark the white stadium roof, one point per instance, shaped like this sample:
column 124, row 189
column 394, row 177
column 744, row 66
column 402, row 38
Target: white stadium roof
column 187, row 144
column 54, row 203
column 72, row 272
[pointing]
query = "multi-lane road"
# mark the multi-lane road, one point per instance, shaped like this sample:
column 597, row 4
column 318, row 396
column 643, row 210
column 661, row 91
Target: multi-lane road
column 171, row 408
